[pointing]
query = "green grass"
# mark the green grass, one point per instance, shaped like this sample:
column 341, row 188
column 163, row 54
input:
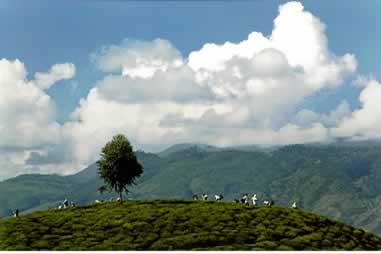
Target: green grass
column 180, row 225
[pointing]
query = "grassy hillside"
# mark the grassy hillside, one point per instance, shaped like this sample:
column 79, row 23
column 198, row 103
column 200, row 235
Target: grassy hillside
column 337, row 181
column 180, row 225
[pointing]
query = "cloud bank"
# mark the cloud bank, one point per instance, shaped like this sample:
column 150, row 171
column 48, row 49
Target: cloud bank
column 237, row 93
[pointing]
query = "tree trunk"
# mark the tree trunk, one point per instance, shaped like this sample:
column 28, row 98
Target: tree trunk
column 121, row 197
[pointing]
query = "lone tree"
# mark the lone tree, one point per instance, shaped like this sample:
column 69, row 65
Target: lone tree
column 118, row 165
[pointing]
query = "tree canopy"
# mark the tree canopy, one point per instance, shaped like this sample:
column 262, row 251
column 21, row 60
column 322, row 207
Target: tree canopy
column 118, row 165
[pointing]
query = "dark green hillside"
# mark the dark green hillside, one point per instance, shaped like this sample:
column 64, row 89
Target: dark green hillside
column 181, row 147
column 180, row 225
column 27, row 191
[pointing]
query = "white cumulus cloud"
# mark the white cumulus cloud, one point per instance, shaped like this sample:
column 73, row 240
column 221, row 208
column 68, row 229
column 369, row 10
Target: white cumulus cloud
column 27, row 117
column 26, row 111
column 223, row 94
column 365, row 122
column 139, row 58
column 56, row 73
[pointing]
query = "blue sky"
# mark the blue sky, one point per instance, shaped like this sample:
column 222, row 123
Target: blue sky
column 177, row 79
column 44, row 32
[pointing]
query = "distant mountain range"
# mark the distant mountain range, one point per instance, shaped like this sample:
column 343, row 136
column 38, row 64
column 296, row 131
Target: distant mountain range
column 341, row 180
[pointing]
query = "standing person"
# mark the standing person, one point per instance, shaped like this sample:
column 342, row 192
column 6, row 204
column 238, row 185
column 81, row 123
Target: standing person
column 254, row 199
column 65, row 203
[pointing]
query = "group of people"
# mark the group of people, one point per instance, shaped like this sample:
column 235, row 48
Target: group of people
column 218, row 197
column 245, row 199
column 66, row 204
column 99, row 201
column 204, row 197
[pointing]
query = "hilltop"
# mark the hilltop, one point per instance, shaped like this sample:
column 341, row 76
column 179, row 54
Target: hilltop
column 180, row 225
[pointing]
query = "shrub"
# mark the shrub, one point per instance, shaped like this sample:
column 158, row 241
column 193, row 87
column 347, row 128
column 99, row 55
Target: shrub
column 284, row 247
column 267, row 245
column 350, row 245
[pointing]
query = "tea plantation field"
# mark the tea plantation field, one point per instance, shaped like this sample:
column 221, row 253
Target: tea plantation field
column 180, row 225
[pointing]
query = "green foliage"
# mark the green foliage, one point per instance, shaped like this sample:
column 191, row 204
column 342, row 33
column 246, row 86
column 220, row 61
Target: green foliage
column 118, row 165
column 178, row 225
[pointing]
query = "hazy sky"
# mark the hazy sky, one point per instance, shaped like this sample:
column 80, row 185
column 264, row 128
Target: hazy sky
column 74, row 73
